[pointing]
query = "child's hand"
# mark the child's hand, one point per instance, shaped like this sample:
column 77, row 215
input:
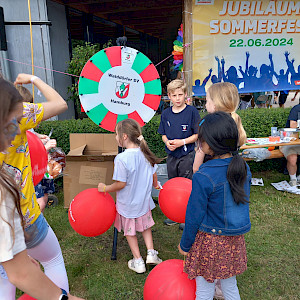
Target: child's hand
column 101, row 187
column 23, row 78
column 171, row 145
column 174, row 144
column 50, row 144
column 181, row 251
column 159, row 186
column 44, row 139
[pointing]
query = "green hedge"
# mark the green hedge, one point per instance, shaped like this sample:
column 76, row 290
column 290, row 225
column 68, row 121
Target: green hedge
column 257, row 123
column 62, row 129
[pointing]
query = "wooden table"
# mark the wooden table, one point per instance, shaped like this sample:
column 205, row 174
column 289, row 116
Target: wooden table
column 296, row 142
column 276, row 153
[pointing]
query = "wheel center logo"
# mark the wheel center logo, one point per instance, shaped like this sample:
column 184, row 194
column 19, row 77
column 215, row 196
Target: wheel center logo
column 122, row 89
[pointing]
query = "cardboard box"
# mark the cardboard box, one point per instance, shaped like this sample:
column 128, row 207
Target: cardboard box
column 90, row 161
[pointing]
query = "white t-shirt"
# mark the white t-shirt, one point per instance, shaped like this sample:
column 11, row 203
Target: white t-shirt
column 10, row 244
column 134, row 200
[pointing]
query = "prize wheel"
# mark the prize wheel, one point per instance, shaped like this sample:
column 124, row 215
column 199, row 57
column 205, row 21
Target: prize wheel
column 119, row 83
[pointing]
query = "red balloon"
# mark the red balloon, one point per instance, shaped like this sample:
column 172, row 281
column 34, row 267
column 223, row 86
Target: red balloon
column 174, row 197
column 38, row 157
column 91, row 213
column 167, row 281
column 26, row 297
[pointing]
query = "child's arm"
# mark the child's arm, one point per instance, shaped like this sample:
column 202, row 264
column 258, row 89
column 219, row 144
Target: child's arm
column 55, row 104
column 28, row 277
column 155, row 183
column 198, row 161
column 41, row 136
column 196, row 209
column 114, row 187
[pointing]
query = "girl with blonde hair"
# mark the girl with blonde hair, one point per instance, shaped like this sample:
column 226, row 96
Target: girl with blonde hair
column 222, row 96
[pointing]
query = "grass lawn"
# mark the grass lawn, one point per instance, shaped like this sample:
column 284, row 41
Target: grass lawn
column 272, row 244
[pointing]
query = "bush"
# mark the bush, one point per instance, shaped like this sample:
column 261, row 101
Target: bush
column 153, row 138
column 62, row 130
column 257, row 123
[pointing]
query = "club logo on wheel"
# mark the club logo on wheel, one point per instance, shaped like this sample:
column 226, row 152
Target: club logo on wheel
column 122, row 89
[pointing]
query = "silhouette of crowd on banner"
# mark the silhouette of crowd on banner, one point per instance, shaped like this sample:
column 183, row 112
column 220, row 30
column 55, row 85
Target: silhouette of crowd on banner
column 247, row 80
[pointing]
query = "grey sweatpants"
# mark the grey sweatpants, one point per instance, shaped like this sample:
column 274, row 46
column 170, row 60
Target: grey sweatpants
column 181, row 167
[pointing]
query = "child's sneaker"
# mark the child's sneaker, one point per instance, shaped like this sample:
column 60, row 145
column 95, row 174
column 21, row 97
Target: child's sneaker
column 137, row 265
column 169, row 222
column 152, row 257
column 293, row 182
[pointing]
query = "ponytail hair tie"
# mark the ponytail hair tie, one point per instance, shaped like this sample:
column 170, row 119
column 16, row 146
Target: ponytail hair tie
column 201, row 122
column 140, row 138
column 236, row 152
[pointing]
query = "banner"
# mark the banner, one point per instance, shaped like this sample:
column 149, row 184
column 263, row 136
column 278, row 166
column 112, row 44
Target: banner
column 253, row 44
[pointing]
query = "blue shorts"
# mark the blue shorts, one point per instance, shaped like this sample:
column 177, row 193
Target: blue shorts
column 3, row 273
column 36, row 232
column 46, row 186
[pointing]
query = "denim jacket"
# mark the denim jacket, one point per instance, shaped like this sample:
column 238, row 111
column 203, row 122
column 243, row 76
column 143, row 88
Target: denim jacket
column 211, row 207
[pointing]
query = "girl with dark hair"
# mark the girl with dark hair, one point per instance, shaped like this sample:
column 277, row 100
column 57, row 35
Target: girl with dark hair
column 134, row 175
column 217, row 215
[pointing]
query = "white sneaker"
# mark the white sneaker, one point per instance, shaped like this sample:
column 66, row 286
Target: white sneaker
column 293, row 182
column 152, row 257
column 137, row 266
column 298, row 179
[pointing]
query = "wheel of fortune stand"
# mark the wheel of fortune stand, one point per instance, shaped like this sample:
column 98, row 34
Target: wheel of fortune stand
column 119, row 83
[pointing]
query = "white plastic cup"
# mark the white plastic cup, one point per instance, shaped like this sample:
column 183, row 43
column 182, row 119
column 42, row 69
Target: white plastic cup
column 274, row 131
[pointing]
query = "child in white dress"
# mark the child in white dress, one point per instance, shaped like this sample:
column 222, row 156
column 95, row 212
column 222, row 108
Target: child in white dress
column 134, row 175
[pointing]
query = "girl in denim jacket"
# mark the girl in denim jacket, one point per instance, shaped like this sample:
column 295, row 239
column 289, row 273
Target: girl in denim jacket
column 217, row 215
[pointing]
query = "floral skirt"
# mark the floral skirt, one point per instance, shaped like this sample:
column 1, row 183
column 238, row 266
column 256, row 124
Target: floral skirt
column 216, row 257
column 131, row 226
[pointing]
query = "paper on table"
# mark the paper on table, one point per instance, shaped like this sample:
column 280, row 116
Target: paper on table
column 264, row 141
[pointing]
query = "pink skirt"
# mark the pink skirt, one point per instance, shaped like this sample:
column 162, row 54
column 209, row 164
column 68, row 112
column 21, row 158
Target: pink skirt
column 131, row 226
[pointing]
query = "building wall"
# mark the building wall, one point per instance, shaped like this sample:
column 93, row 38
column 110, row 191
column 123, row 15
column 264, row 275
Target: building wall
column 60, row 52
column 19, row 45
